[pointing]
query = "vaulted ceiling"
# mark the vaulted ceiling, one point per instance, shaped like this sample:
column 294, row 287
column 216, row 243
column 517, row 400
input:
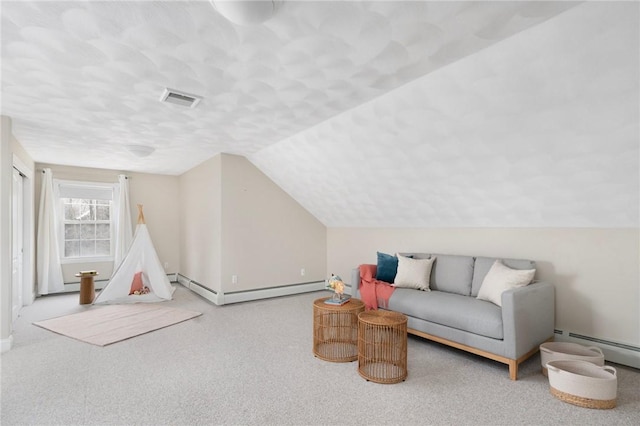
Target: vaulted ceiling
column 81, row 80
column 369, row 113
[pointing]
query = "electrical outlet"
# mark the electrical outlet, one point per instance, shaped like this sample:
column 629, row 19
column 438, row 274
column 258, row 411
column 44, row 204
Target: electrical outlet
column 166, row 265
column 302, row 272
column 234, row 279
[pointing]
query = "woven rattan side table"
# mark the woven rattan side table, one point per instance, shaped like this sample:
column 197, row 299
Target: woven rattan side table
column 335, row 330
column 382, row 346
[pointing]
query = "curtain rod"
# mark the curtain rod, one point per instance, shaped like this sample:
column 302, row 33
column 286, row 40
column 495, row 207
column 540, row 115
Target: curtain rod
column 125, row 176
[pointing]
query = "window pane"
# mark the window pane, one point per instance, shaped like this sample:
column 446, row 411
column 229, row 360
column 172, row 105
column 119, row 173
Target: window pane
column 102, row 212
column 71, row 211
column 92, row 236
column 103, row 247
column 88, row 231
column 92, row 212
column 103, row 231
column 84, row 212
column 71, row 232
column 71, row 248
column 87, row 248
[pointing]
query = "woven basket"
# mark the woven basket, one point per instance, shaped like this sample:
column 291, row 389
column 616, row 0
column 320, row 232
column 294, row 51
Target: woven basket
column 583, row 384
column 555, row 351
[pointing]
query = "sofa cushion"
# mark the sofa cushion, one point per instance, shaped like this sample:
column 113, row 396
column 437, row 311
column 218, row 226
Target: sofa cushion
column 483, row 264
column 416, row 255
column 501, row 278
column 452, row 274
column 451, row 310
column 413, row 273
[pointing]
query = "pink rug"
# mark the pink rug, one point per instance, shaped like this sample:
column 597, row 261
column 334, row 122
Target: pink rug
column 110, row 324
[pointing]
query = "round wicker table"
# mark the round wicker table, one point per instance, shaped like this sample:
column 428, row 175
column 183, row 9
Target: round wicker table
column 382, row 346
column 335, row 330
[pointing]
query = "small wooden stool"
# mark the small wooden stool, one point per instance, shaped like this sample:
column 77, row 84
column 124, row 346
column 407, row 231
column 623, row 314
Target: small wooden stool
column 335, row 330
column 87, row 287
column 382, row 346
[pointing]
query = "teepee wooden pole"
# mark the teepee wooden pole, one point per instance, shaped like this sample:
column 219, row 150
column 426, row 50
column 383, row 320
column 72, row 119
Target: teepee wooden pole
column 140, row 215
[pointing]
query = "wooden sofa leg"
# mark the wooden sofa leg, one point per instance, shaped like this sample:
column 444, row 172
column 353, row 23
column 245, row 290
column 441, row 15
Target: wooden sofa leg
column 513, row 369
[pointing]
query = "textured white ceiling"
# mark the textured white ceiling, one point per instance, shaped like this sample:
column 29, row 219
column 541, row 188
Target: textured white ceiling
column 82, row 79
column 539, row 130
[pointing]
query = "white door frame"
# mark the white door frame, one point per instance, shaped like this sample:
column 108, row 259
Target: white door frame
column 28, row 231
column 17, row 243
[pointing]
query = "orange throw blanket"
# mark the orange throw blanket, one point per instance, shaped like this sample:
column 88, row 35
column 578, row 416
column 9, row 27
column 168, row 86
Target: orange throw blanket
column 373, row 292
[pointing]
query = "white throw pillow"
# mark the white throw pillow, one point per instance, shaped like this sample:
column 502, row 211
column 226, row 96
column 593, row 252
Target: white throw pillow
column 413, row 273
column 501, row 278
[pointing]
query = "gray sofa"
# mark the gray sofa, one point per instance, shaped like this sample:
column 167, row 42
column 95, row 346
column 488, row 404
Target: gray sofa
column 451, row 314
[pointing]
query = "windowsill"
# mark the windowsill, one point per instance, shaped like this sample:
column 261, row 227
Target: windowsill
column 86, row 259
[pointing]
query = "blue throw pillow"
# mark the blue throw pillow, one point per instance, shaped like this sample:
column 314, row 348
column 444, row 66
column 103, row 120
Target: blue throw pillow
column 387, row 267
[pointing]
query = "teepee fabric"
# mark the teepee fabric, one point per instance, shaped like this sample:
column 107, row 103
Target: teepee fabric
column 141, row 257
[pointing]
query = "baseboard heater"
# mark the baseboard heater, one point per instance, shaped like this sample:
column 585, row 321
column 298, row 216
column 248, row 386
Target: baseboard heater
column 220, row 298
column 100, row 284
column 620, row 353
column 75, row 287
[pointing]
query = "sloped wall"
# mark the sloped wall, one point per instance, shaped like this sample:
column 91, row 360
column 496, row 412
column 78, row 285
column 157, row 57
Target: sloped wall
column 538, row 130
column 528, row 148
column 267, row 237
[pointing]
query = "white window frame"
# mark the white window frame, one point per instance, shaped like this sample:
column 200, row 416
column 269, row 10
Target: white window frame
column 99, row 186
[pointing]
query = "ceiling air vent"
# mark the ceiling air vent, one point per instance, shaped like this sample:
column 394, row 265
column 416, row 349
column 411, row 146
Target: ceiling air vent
column 180, row 98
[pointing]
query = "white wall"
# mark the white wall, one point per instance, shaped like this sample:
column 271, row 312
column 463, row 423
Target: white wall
column 25, row 164
column 595, row 271
column 6, row 171
column 236, row 222
column 267, row 237
column 157, row 193
column 200, row 223
column 13, row 154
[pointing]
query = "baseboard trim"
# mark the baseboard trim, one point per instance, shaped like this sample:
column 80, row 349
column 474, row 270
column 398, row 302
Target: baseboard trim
column 205, row 292
column 6, row 344
column 620, row 353
column 220, row 298
column 267, row 293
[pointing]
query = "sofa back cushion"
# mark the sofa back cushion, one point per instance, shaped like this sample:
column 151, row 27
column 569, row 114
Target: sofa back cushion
column 416, row 255
column 452, row 274
column 483, row 264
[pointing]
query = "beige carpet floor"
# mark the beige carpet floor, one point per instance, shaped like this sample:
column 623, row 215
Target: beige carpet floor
column 110, row 324
column 252, row 363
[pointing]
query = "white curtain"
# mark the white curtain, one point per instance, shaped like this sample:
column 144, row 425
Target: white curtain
column 123, row 234
column 48, row 260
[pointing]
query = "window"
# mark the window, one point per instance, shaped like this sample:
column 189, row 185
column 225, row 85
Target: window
column 86, row 221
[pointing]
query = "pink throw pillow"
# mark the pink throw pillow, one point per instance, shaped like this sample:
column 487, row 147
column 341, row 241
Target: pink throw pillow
column 136, row 284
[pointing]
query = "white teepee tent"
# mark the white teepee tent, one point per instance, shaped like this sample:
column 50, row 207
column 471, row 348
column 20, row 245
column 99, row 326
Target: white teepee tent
column 141, row 259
